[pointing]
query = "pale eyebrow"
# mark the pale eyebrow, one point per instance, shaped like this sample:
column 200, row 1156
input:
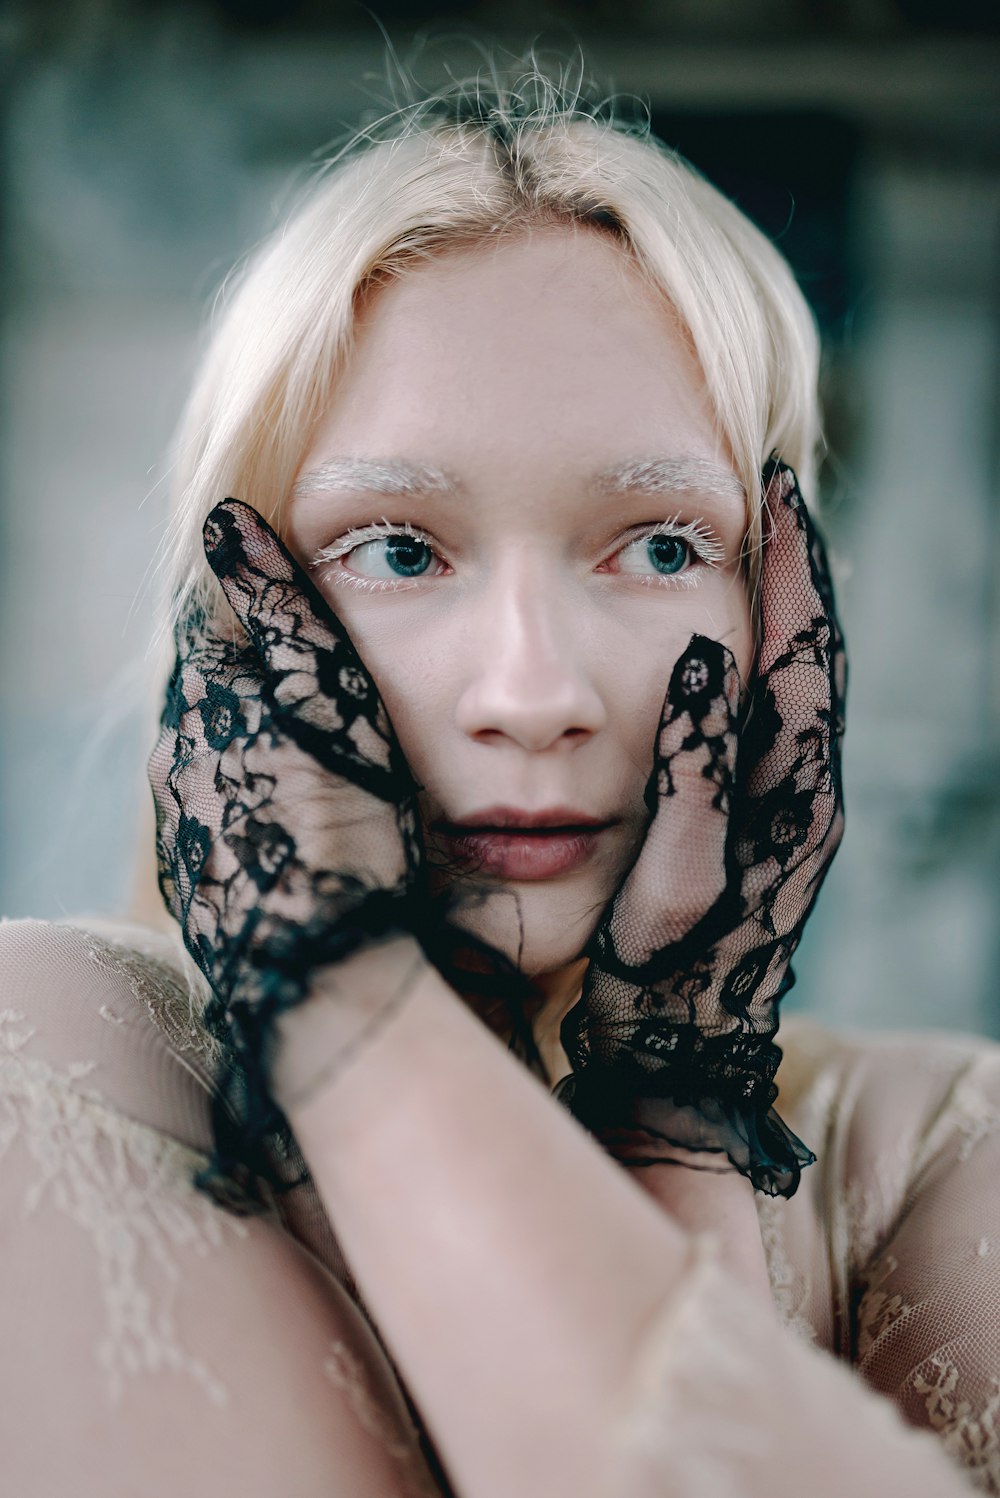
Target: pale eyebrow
column 376, row 476
column 405, row 479
column 670, row 476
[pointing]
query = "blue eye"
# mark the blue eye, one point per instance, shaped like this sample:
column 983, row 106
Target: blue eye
column 661, row 552
column 391, row 556
column 667, row 553
column 387, row 552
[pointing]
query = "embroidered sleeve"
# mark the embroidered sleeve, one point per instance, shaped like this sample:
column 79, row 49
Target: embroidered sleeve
column 926, row 1321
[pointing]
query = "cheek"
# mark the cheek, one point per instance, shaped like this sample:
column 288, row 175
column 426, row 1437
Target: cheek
column 723, row 608
column 718, row 607
column 637, row 684
column 416, row 689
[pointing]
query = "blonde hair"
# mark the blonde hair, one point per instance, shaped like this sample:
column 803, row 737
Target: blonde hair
column 478, row 162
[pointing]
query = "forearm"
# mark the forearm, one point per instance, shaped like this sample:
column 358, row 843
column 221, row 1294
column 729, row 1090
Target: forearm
column 700, row 1202
column 512, row 1266
column 706, row 1195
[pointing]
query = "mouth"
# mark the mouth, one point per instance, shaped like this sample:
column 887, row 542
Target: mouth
column 512, row 844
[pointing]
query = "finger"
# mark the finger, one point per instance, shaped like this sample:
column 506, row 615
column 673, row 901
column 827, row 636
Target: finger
column 792, row 743
column 271, row 595
column 218, row 677
column 325, row 693
column 303, row 646
column 681, row 868
column 798, row 693
column 198, row 641
column 796, row 588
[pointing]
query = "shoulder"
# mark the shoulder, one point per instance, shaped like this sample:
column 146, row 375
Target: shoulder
column 28, row 939
column 911, row 1220
column 26, row 943
column 888, row 1114
column 106, row 1009
column 56, row 964
column 84, row 947
column 909, row 1088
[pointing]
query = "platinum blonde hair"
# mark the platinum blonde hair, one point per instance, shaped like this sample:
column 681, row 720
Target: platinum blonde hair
column 479, row 162
column 476, row 164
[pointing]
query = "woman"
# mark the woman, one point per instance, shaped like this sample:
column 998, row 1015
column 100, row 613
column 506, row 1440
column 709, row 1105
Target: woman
column 499, row 758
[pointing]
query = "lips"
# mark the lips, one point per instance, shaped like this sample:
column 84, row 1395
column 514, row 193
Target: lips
column 514, row 844
column 513, row 816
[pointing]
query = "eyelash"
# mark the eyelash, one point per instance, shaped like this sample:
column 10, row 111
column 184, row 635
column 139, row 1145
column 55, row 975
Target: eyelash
column 705, row 545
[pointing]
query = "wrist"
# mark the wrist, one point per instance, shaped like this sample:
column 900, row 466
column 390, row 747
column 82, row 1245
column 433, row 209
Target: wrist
column 722, row 1204
column 703, row 1192
column 348, row 1003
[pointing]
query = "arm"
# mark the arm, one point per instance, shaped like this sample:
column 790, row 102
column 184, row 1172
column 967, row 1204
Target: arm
column 560, row 1334
column 917, row 1280
column 512, row 1267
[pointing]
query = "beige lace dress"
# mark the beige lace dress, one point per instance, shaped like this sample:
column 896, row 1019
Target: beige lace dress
column 155, row 1343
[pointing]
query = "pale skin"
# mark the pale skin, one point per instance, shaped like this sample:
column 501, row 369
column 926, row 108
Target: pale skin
column 511, row 1264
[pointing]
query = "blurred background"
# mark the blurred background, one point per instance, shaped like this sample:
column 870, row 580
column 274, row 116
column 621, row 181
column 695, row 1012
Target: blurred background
column 143, row 148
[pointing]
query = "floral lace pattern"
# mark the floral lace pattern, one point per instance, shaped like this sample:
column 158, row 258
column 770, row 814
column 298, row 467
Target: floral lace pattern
column 926, row 1326
column 154, row 982
column 969, row 1432
column 791, row 1287
column 344, row 1371
column 118, row 1182
column 92, row 1036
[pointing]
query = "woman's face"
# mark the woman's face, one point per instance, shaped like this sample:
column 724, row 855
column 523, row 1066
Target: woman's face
column 515, row 423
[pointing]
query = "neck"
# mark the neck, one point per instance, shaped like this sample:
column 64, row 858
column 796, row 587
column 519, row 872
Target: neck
column 560, row 991
column 557, row 992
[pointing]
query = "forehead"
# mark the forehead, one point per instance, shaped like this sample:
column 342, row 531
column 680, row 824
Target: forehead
column 578, row 284
column 548, row 349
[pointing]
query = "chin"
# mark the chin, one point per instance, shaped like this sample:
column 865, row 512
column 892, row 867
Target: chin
column 541, row 927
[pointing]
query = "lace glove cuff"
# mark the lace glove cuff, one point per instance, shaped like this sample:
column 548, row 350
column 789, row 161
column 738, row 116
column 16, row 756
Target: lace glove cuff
column 716, row 1101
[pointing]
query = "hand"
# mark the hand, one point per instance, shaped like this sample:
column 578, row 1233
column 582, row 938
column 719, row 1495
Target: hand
column 287, row 834
column 288, row 848
column 672, row 1042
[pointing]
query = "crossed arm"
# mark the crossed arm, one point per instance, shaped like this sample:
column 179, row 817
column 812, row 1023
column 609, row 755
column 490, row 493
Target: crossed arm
column 511, row 1264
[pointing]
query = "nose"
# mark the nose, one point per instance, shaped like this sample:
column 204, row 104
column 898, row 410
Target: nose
column 528, row 681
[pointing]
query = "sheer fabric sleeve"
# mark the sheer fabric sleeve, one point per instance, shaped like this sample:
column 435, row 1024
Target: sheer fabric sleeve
column 926, row 1328
column 729, row 1401
column 725, row 1400
column 152, row 1342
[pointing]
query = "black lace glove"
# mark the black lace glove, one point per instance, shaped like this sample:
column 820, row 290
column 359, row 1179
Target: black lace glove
column 672, row 1042
column 287, row 834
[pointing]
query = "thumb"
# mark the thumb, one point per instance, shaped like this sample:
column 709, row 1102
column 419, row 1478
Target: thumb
column 681, row 868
